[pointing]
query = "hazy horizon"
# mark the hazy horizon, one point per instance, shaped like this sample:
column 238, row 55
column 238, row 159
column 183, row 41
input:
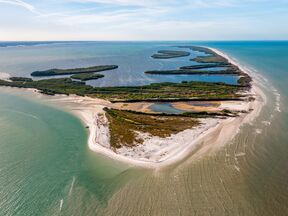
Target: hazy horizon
column 196, row 41
column 133, row 20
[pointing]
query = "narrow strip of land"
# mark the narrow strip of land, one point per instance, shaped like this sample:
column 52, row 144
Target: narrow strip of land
column 87, row 76
column 168, row 54
column 153, row 92
column 57, row 72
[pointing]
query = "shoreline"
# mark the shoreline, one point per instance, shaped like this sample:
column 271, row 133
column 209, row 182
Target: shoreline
column 214, row 133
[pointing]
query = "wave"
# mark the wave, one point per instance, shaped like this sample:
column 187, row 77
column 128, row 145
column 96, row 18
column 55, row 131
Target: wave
column 266, row 123
column 24, row 113
column 4, row 76
column 29, row 44
column 258, row 131
column 61, row 205
column 262, row 80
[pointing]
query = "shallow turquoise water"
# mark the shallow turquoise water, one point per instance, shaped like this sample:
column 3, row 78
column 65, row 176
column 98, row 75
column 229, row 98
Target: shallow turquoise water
column 44, row 159
column 46, row 167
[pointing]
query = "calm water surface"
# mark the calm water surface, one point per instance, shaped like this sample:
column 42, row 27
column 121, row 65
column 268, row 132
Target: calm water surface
column 133, row 60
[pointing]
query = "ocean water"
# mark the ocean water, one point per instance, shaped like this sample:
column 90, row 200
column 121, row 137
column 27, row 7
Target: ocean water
column 45, row 159
column 133, row 60
column 46, row 167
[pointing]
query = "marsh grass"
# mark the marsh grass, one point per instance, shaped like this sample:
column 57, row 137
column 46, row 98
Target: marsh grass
column 125, row 125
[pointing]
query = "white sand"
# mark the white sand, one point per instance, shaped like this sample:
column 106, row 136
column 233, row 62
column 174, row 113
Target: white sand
column 5, row 76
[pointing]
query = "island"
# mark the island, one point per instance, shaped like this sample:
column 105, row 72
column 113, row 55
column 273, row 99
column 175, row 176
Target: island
column 211, row 60
column 228, row 71
column 20, row 79
column 58, row 72
column 123, row 121
column 168, row 54
column 87, row 76
column 205, row 66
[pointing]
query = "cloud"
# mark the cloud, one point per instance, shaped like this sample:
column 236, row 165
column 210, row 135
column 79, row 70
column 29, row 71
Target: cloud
column 110, row 19
column 164, row 3
column 22, row 4
column 146, row 3
column 212, row 3
column 124, row 10
column 140, row 19
column 145, row 11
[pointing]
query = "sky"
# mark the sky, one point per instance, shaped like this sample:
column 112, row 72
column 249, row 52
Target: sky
column 42, row 20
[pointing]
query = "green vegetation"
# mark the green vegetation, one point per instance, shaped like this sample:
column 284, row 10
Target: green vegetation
column 228, row 71
column 52, row 86
column 205, row 50
column 56, row 72
column 20, row 79
column 124, row 126
column 204, row 66
column 154, row 92
column 184, row 91
column 167, row 54
column 87, row 76
column 210, row 59
column 245, row 80
column 169, row 92
column 210, row 55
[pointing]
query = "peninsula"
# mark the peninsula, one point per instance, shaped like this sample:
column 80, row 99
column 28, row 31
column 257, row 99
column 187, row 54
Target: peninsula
column 87, row 76
column 58, row 72
column 168, row 54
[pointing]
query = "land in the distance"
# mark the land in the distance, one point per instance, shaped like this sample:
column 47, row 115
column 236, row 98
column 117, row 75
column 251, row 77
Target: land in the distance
column 87, row 76
column 57, row 72
column 228, row 71
column 210, row 61
column 168, row 54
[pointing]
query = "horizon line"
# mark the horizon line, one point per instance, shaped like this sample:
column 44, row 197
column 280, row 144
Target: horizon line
column 228, row 40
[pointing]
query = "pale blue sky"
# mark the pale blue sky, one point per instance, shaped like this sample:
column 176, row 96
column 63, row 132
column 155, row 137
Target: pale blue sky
column 143, row 20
